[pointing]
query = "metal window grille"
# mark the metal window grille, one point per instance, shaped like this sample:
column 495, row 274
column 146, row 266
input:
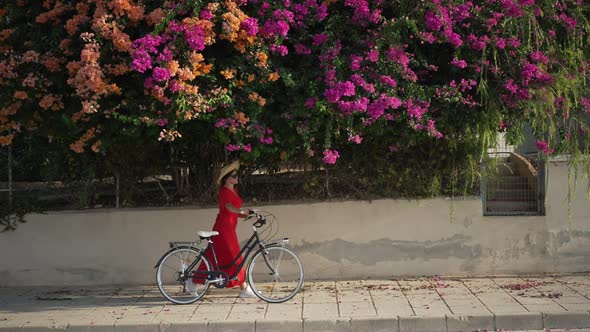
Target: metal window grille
column 513, row 183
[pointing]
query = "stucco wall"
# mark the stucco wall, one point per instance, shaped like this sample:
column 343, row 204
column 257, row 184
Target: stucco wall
column 353, row 239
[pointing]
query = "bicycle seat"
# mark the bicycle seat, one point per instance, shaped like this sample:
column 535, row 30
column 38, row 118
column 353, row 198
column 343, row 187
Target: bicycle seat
column 206, row 235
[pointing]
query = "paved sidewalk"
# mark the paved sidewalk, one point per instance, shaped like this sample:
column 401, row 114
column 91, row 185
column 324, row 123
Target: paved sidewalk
column 424, row 304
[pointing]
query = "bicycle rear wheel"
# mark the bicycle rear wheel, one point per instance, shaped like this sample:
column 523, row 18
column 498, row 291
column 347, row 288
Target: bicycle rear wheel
column 176, row 282
column 275, row 274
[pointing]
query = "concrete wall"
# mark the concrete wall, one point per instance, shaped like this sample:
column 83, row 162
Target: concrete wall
column 357, row 239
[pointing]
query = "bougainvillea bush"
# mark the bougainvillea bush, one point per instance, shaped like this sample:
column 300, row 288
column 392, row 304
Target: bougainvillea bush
column 296, row 79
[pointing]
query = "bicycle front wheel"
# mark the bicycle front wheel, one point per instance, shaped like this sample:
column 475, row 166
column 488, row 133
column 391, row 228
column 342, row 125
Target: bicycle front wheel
column 176, row 282
column 275, row 274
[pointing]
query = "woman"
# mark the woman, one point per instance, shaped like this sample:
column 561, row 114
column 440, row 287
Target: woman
column 227, row 246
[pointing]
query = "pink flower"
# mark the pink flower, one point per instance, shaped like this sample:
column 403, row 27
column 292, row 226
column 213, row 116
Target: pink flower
column 266, row 140
column 355, row 139
column 373, row 55
column 160, row 74
column 330, row 157
column 538, row 56
column 319, row 39
column 393, row 148
column 250, row 25
column 310, row 103
column 433, row 21
column 302, row 49
column 586, row 104
column 282, row 50
column 459, row 63
column 205, row 15
column 544, row 147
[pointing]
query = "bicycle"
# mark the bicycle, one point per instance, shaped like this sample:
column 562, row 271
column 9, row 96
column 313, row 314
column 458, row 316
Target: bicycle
column 275, row 272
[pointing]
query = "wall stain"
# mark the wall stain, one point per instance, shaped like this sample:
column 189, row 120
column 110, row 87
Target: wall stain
column 84, row 273
column 383, row 250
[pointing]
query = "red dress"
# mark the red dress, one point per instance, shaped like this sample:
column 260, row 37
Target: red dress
column 226, row 244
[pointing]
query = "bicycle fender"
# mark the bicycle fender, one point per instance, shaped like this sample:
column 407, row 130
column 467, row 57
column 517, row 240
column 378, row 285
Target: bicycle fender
column 174, row 249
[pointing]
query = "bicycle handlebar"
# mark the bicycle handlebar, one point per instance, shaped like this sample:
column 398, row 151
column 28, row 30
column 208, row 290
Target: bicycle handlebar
column 260, row 220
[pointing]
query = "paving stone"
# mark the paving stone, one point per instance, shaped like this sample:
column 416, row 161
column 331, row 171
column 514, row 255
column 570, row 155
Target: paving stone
column 357, row 309
column 374, row 324
column 326, row 325
column 184, row 327
column 284, row 311
column 570, row 320
column 467, row 323
column 519, row 321
column 422, row 324
column 279, row 325
column 232, row 326
column 136, row 327
column 320, row 310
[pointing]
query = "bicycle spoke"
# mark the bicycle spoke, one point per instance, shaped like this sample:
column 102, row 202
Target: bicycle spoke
column 175, row 290
column 275, row 274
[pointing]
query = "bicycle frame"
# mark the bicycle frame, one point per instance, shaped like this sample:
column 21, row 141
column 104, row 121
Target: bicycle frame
column 250, row 245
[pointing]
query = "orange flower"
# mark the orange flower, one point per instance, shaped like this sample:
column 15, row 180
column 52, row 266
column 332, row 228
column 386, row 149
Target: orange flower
column 31, row 56
column 173, row 67
column 117, row 70
column 78, row 146
column 207, row 68
column 196, row 58
column 241, row 118
column 155, row 16
column 261, row 57
column 273, row 76
column 253, row 96
column 228, row 73
column 191, row 89
column 121, row 40
column 4, row 34
column 20, row 95
column 96, row 146
column 6, row 140
column 251, row 78
column 261, row 101
column 240, row 83
column 51, row 15
column 46, row 102
column 185, row 74
column 64, row 46
column 52, row 64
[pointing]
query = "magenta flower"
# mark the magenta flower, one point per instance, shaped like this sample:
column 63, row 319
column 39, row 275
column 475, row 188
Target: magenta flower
column 586, row 104
column 142, row 61
column 459, row 63
column 373, row 55
column 205, row 15
column 160, row 74
column 250, row 25
column 266, row 140
column 433, row 21
column 355, row 139
column 319, row 39
column 330, row 157
column 310, row 103
column 544, row 147
column 302, row 49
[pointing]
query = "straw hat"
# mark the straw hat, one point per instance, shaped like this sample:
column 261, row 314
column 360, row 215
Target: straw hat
column 225, row 170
